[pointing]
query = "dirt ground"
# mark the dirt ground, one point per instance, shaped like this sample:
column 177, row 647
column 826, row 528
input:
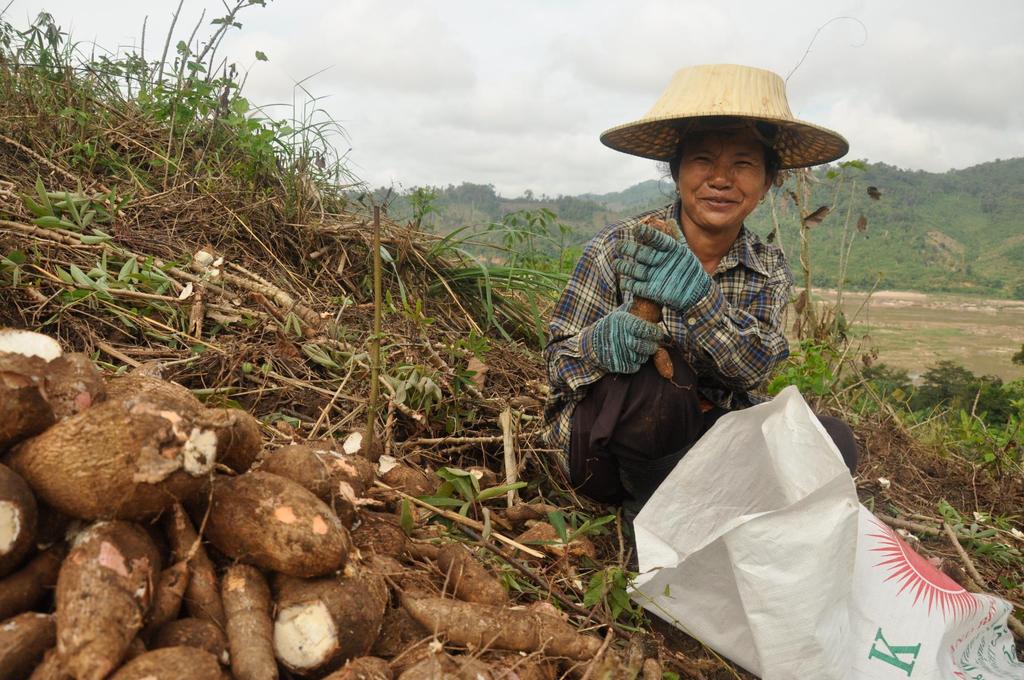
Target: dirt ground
column 914, row 331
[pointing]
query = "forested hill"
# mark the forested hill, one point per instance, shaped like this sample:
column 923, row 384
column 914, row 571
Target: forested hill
column 961, row 230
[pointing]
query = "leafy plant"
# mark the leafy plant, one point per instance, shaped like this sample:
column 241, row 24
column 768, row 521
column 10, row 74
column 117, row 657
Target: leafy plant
column 810, row 369
column 461, row 489
column 74, row 211
column 979, row 537
column 10, row 267
column 422, row 200
column 414, row 387
column 575, row 524
column 609, row 588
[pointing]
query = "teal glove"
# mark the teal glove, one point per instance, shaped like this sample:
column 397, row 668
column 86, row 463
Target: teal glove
column 662, row 269
column 620, row 342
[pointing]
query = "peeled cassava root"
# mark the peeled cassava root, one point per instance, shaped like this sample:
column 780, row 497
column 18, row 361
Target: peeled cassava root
column 104, row 590
column 18, row 517
column 322, row 623
column 272, row 522
column 250, row 631
column 494, row 627
column 648, row 310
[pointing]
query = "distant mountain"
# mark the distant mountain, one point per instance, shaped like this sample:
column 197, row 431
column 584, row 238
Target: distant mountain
column 960, row 231
column 638, row 197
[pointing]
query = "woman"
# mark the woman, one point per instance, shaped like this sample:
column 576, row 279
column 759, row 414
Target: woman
column 725, row 131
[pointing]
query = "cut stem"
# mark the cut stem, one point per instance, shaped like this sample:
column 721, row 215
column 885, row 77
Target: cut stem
column 371, row 418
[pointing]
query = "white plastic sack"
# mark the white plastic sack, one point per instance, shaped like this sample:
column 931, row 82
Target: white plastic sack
column 757, row 545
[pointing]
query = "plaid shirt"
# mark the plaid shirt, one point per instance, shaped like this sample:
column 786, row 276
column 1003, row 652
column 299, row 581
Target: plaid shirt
column 732, row 338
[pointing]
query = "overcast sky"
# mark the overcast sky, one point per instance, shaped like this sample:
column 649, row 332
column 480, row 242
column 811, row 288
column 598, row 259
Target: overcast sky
column 516, row 94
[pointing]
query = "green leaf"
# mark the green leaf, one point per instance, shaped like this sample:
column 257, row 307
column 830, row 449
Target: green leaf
column 63, row 275
column 590, row 526
column 51, row 222
column 486, row 533
column 442, row 501
column 464, row 487
column 406, row 520
column 44, row 199
column 557, row 519
column 80, row 278
column 496, row 491
column 260, row 56
column 451, row 473
column 619, row 599
column 319, row 355
column 35, row 208
column 72, row 208
column 595, row 590
column 127, row 269
column 93, row 239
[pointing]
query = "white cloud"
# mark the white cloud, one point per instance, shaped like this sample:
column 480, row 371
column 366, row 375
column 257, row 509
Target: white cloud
column 517, row 94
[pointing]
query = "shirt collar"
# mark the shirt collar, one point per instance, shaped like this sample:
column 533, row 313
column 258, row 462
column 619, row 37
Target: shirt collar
column 741, row 252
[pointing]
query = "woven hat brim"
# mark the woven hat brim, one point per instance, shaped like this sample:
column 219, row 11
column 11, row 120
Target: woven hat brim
column 799, row 144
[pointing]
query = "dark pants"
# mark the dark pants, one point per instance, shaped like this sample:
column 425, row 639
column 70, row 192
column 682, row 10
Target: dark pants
column 631, row 430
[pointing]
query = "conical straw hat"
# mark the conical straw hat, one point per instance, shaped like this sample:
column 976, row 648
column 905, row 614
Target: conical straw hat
column 701, row 92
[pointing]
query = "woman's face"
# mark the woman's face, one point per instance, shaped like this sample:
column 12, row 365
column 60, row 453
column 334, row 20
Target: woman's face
column 722, row 178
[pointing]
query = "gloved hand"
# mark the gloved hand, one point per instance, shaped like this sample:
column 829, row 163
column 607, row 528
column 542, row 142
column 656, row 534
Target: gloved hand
column 620, row 342
column 662, row 269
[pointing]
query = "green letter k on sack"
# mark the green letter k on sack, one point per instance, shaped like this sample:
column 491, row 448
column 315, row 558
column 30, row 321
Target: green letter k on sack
column 891, row 655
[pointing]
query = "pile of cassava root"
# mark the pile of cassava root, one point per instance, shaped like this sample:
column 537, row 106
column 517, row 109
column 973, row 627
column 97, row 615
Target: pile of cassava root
column 144, row 535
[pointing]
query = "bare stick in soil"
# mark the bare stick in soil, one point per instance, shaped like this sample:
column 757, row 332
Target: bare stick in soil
column 371, row 418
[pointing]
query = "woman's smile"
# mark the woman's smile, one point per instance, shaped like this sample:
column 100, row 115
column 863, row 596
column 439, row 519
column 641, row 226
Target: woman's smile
column 721, row 179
